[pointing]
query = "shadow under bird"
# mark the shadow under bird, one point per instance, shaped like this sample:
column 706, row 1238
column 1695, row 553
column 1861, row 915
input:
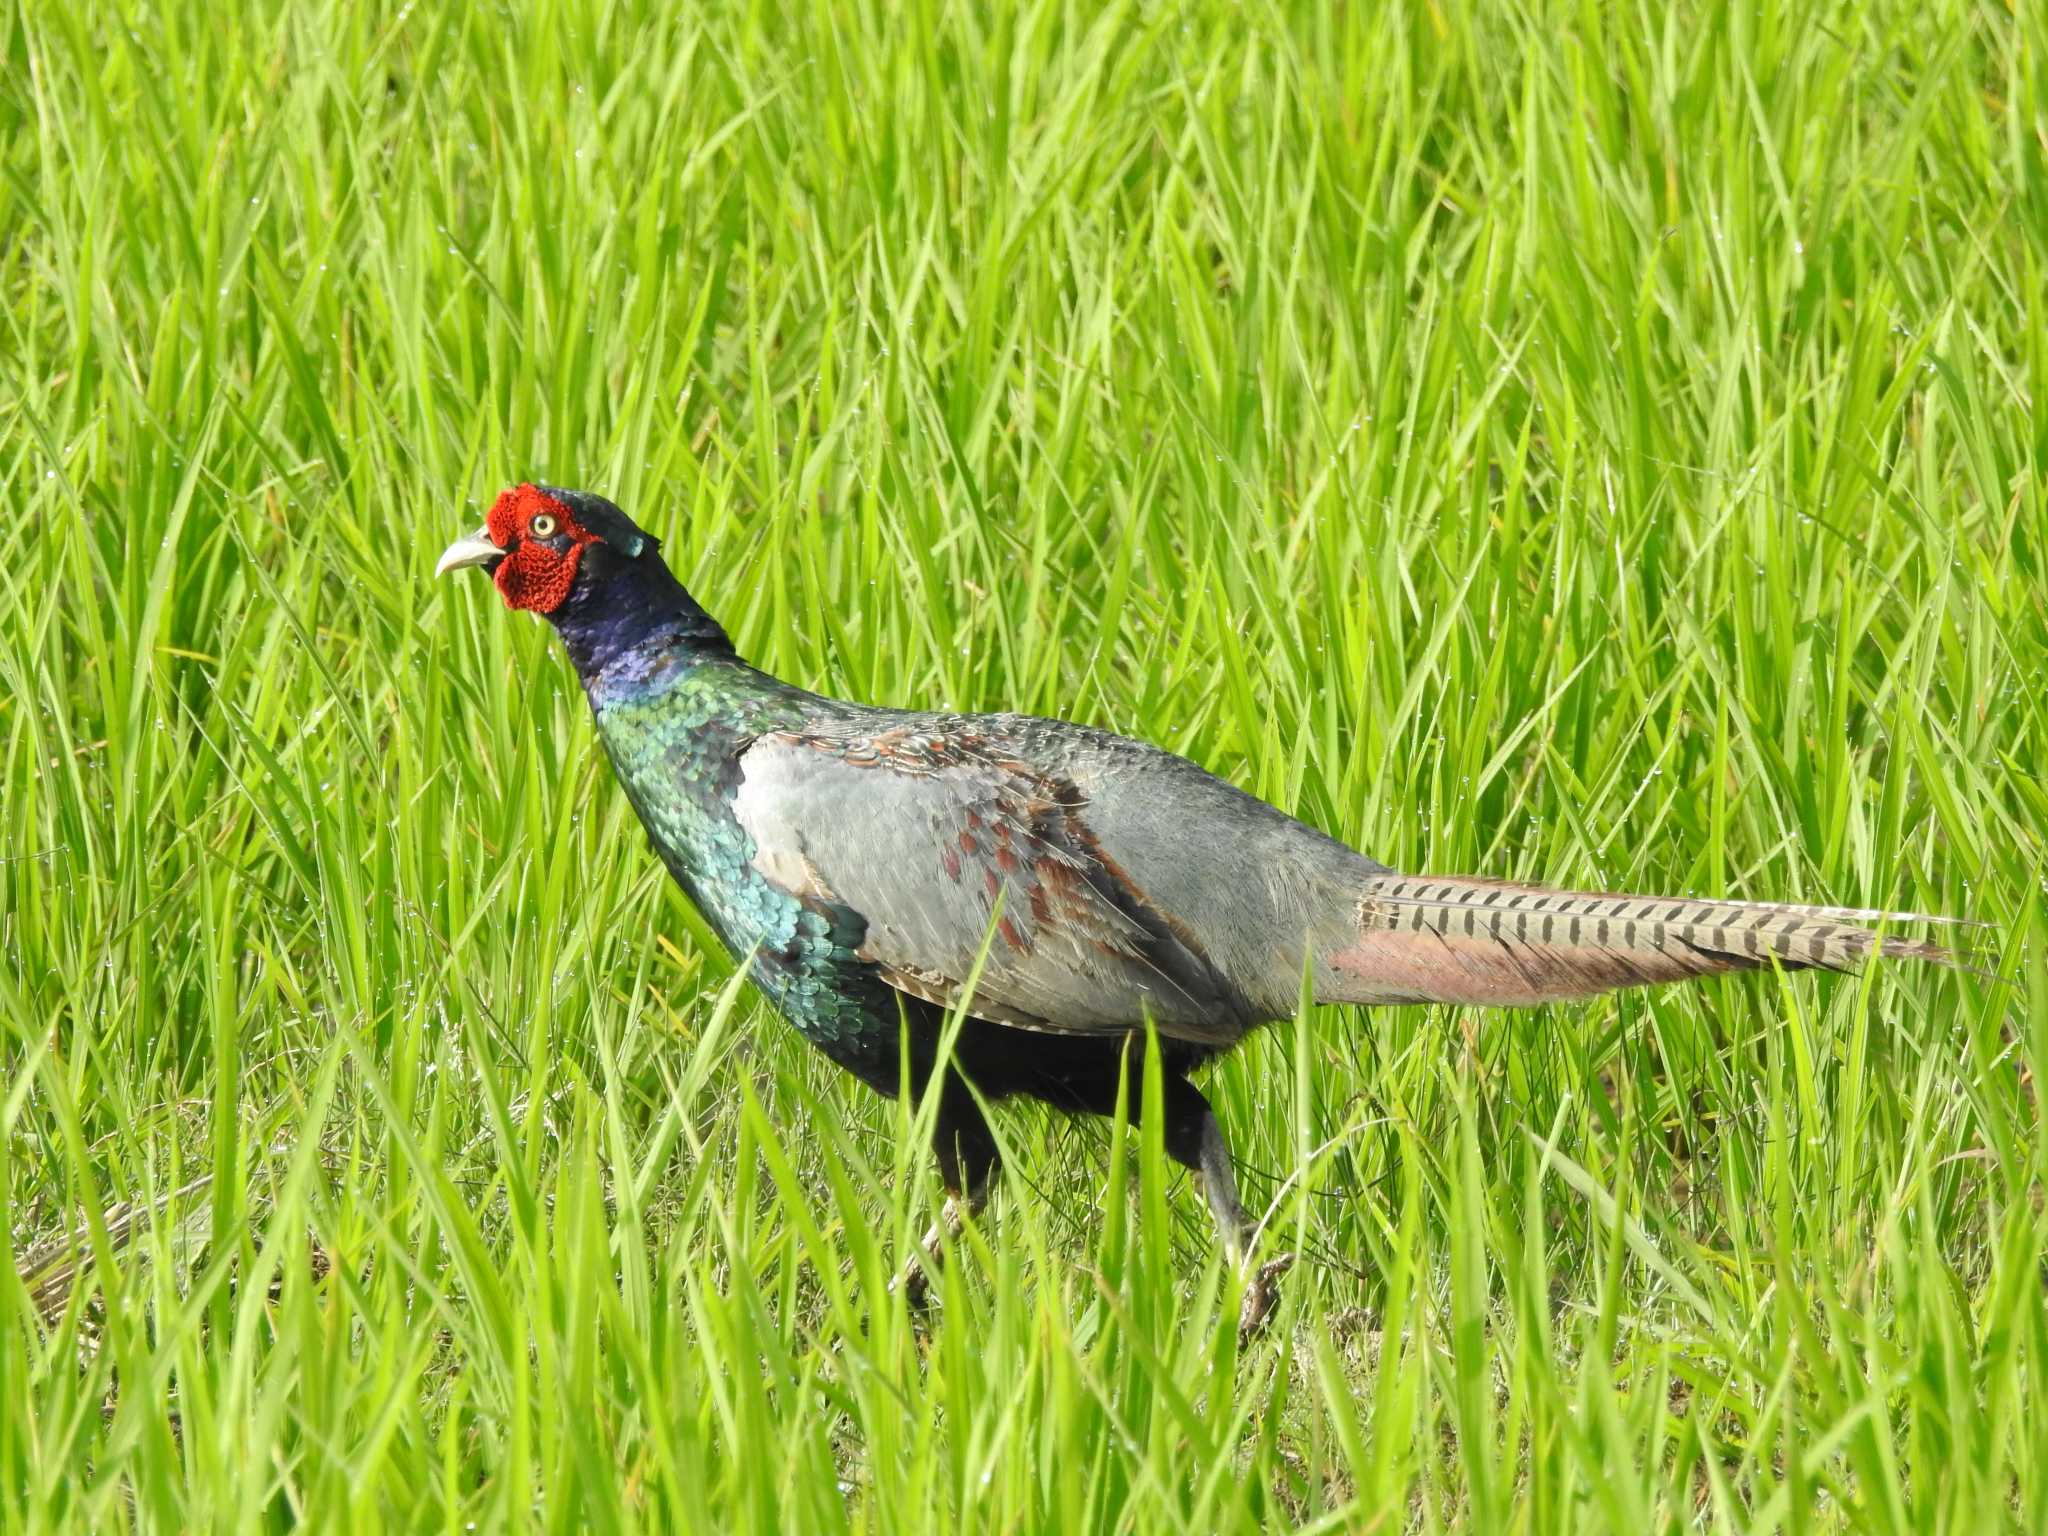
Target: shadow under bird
column 859, row 858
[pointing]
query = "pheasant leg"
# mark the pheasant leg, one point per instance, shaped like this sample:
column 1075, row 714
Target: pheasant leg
column 968, row 1161
column 1194, row 1139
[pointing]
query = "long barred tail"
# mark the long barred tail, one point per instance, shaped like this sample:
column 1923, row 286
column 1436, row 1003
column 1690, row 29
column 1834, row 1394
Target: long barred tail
column 1419, row 938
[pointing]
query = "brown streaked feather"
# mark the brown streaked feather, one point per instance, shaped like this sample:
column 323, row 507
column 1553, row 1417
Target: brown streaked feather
column 1425, row 939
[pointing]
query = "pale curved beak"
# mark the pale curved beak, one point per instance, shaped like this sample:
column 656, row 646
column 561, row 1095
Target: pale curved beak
column 471, row 549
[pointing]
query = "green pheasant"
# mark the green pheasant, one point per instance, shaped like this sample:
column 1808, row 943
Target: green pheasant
column 860, row 859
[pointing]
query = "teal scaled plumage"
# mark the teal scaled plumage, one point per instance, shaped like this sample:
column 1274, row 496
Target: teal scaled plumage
column 1065, row 888
column 673, row 729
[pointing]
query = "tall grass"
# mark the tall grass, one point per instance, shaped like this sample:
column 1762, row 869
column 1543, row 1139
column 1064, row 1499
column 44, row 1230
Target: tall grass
column 1600, row 444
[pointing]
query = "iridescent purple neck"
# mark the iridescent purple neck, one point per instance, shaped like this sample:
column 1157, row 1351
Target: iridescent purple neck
column 625, row 614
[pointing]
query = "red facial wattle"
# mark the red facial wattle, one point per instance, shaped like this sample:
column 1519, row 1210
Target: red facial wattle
column 535, row 575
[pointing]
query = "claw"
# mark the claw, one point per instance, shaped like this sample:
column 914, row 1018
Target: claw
column 914, row 1279
column 1261, row 1295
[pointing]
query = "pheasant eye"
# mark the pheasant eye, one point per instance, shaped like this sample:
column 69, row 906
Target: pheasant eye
column 542, row 526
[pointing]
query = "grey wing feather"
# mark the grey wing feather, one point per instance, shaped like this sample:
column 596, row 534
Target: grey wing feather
column 941, row 840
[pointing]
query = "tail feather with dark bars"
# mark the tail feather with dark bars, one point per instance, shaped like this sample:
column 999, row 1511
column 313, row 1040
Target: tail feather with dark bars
column 1424, row 939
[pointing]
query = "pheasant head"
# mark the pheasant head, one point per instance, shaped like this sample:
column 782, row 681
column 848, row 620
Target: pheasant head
column 598, row 577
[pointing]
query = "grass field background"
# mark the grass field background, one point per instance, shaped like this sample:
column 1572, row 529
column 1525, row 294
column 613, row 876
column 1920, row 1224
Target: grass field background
column 1602, row 444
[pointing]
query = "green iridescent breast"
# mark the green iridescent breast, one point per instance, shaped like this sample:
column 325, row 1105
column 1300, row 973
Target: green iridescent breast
column 675, row 734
